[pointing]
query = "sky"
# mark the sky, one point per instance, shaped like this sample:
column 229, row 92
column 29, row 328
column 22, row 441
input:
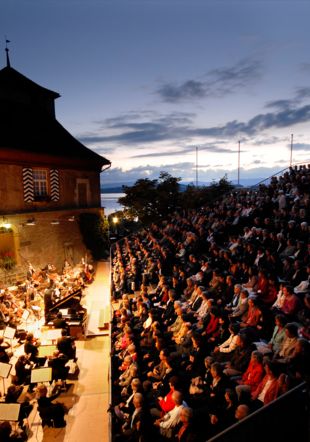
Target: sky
column 172, row 85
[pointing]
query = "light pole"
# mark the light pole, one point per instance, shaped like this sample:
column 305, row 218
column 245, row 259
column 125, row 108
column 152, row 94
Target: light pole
column 291, row 159
column 238, row 162
column 196, row 166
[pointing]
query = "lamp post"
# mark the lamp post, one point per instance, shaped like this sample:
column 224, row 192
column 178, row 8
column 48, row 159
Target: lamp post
column 115, row 221
column 238, row 163
column 291, row 158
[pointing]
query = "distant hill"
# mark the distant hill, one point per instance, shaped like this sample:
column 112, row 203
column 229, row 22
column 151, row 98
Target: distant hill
column 118, row 187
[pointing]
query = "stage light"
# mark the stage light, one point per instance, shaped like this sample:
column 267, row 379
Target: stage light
column 5, row 223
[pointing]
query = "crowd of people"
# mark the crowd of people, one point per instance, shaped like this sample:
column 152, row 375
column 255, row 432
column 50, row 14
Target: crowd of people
column 35, row 296
column 213, row 313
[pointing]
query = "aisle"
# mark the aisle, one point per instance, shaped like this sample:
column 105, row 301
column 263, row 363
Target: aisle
column 88, row 397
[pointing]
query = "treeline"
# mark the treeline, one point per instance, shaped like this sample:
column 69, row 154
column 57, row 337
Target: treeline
column 153, row 200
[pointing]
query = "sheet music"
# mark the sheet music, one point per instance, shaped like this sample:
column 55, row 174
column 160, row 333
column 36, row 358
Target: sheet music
column 5, row 369
column 9, row 332
column 9, row 412
column 46, row 350
column 41, row 375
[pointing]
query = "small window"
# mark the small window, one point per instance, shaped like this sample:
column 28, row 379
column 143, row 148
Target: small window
column 40, row 182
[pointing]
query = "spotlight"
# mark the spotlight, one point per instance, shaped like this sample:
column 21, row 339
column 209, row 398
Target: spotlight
column 55, row 221
column 71, row 218
column 5, row 223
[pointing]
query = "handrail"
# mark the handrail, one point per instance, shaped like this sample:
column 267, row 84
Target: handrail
column 218, row 436
column 281, row 171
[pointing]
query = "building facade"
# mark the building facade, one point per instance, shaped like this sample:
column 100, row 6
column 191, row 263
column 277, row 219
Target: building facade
column 48, row 178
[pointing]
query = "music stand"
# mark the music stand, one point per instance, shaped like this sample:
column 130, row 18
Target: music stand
column 9, row 412
column 9, row 333
column 25, row 316
column 46, row 350
column 5, row 370
column 53, row 334
column 42, row 374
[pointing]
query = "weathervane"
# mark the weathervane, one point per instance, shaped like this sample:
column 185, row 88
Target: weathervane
column 8, row 64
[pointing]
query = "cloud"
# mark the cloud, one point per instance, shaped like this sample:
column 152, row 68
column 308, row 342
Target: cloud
column 300, row 146
column 301, row 93
column 186, row 170
column 218, row 82
column 179, row 128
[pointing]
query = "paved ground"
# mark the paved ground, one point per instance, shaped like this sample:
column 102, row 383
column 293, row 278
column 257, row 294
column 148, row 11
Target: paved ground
column 88, row 397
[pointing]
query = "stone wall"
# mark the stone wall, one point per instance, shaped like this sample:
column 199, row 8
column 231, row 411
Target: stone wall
column 45, row 242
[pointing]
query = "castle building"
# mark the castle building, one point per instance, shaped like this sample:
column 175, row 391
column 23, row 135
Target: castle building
column 47, row 177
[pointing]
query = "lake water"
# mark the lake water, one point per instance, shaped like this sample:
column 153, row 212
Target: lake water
column 109, row 202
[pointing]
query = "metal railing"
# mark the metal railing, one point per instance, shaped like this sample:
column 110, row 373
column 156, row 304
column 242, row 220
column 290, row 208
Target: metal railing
column 285, row 419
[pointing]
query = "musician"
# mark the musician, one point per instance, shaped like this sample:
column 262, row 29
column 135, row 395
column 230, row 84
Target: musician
column 30, row 272
column 58, row 363
column 4, row 353
column 31, row 347
column 60, row 322
column 23, row 368
column 48, row 302
column 66, row 345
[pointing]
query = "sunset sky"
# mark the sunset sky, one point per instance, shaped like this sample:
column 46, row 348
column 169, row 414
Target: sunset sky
column 143, row 82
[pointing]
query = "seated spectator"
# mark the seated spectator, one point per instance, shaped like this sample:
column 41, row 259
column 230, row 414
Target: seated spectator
column 168, row 423
column 268, row 389
column 138, row 425
column 288, row 346
column 223, row 351
column 290, row 304
column 253, row 375
column 241, row 356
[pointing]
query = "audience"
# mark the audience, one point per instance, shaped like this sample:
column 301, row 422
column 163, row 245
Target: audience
column 224, row 308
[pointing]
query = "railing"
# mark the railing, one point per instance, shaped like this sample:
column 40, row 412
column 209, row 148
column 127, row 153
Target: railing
column 285, row 419
column 267, row 180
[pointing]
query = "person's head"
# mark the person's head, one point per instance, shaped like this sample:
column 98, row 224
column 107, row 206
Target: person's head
column 29, row 337
column 242, row 411
column 138, row 400
column 230, row 396
column 177, row 397
column 216, row 370
column 234, row 329
column 257, row 356
column 135, row 384
column 291, row 330
column 42, row 390
column 5, row 430
column 244, row 294
column 237, row 289
column 208, row 361
column 272, row 368
column 11, row 390
column 174, row 382
column 127, row 360
column 280, row 320
column 163, row 354
column 59, row 315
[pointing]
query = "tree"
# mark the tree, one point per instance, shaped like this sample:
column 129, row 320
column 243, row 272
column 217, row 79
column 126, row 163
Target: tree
column 151, row 200
column 194, row 197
